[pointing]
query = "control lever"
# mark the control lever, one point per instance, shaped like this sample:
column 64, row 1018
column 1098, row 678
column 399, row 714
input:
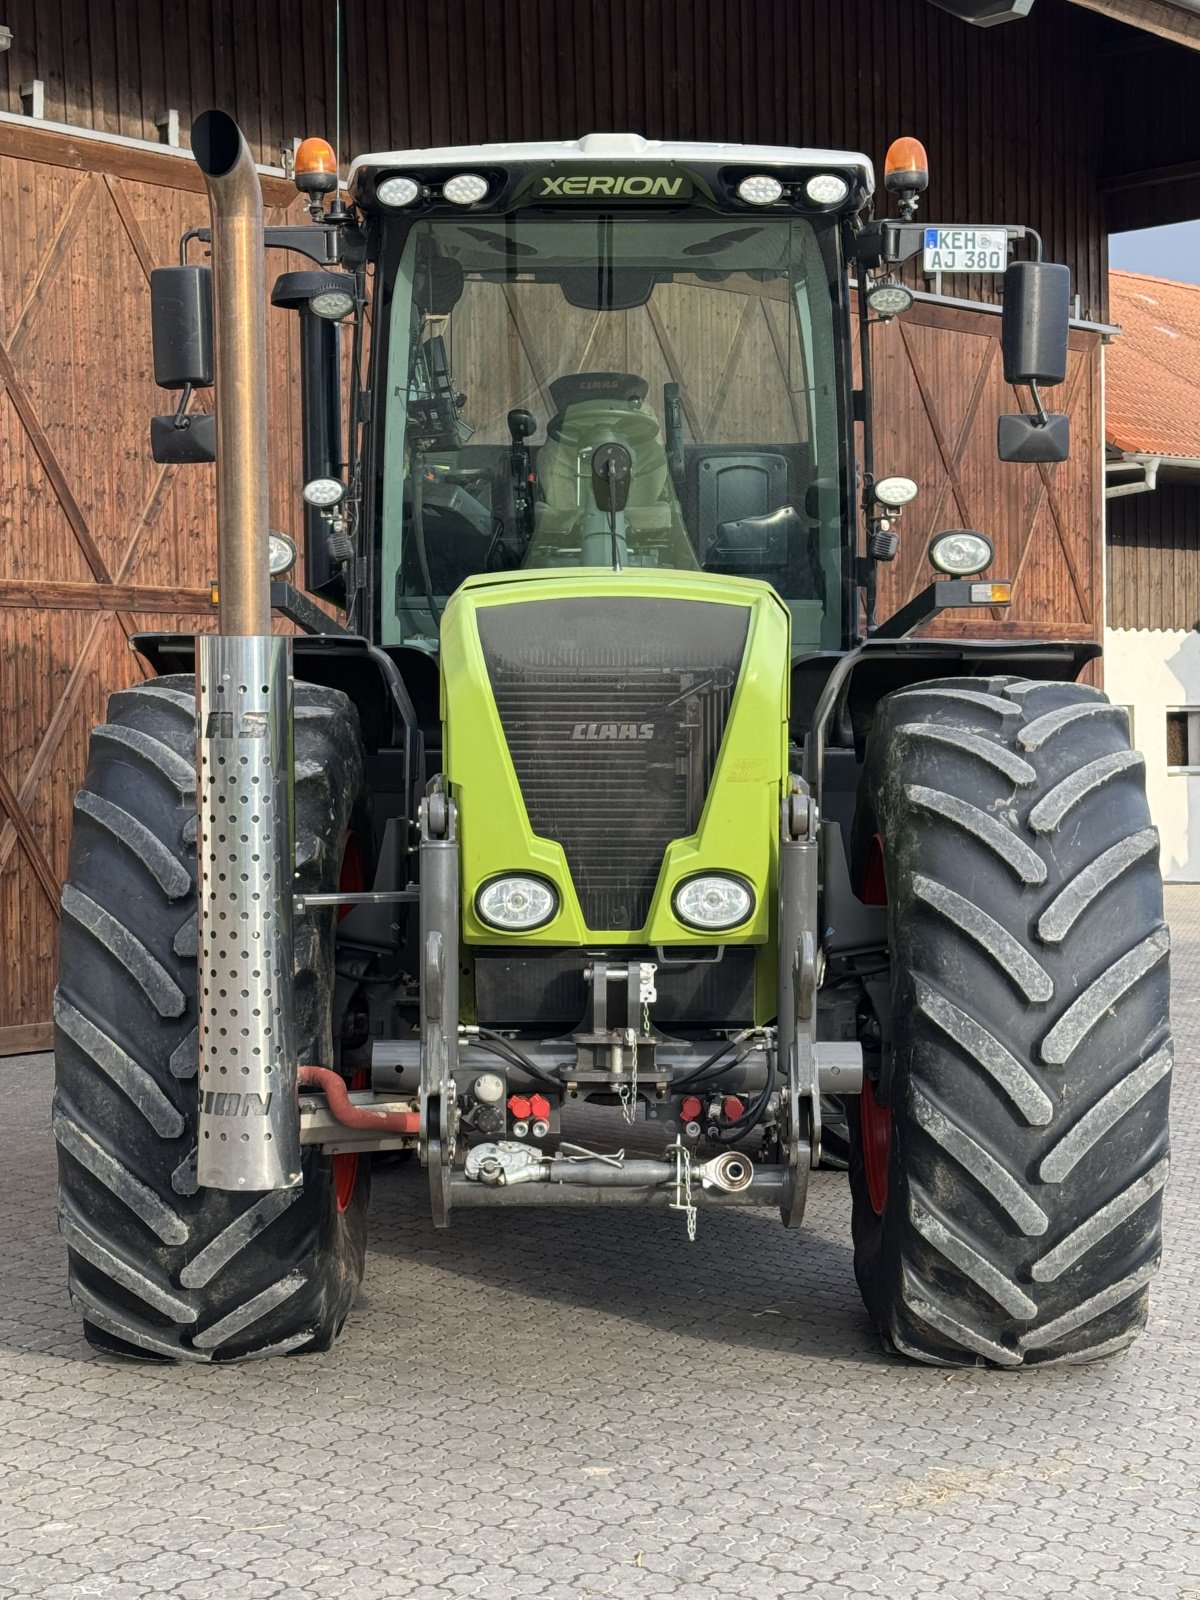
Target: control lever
column 673, row 431
column 612, row 472
column 522, row 425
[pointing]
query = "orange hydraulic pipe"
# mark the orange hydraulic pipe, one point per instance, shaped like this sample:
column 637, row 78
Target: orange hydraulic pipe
column 365, row 1118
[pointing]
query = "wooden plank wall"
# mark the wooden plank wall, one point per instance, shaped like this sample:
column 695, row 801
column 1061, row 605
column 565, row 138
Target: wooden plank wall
column 1011, row 115
column 1150, row 151
column 1154, row 558
column 96, row 541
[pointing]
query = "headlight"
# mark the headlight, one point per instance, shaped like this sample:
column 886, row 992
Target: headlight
column 895, row 492
column 827, row 189
column 281, row 554
column 760, row 190
column 712, row 901
column 961, row 552
column 396, row 192
column 516, row 904
column 323, row 492
column 465, row 189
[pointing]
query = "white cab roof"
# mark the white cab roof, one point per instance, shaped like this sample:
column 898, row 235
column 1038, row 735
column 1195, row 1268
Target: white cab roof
column 613, row 147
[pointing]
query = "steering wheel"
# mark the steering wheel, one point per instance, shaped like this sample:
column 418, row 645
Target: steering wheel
column 596, row 422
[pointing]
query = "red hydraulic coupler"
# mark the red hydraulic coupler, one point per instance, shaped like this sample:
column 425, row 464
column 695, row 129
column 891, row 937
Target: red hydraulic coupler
column 365, row 1118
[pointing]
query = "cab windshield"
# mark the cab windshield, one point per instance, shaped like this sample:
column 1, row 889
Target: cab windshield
column 703, row 349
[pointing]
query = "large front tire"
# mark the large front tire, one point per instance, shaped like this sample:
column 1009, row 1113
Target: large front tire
column 1007, row 1180
column 158, row 1268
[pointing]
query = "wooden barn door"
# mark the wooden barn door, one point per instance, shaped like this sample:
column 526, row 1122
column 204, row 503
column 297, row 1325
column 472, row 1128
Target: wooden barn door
column 940, row 386
column 96, row 541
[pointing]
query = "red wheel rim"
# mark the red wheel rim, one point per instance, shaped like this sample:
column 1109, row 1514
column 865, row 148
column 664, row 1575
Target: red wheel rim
column 876, row 1124
column 875, row 1120
column 345, row 1179
column 345, row 1168
column 874, row 882
column 353, row 879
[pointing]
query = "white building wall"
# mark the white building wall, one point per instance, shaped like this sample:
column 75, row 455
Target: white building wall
column 1151, row 672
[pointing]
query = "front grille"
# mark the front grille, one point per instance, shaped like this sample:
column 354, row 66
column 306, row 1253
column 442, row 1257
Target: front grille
column 614, row 710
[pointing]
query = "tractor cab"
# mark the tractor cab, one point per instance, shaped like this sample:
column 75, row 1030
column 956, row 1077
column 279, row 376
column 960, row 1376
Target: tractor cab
column 610, row 353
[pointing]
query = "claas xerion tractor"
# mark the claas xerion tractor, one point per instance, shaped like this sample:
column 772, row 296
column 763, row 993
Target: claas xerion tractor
column 600, row 844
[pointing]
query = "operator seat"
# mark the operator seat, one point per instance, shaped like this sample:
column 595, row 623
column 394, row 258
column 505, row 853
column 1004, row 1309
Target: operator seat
column 595, row 408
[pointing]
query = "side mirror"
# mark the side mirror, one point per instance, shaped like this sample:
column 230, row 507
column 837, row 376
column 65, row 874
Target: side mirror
column 180, row 441
column 1036, row 322
column 181, row 326
column 1022, row 438
column 1034, row 332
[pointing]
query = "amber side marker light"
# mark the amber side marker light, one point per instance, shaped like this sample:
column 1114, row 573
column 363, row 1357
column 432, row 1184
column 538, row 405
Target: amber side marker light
column 991, row 594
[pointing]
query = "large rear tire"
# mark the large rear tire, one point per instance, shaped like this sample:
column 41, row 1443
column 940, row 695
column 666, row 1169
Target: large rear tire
column 158, row 1268
column 1007, row 1182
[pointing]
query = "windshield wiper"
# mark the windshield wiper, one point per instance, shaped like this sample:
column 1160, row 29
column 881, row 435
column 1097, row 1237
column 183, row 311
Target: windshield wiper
column 710, row 247
column 500, row 242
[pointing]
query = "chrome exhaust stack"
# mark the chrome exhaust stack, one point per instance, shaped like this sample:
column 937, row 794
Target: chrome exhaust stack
column 249, row 1123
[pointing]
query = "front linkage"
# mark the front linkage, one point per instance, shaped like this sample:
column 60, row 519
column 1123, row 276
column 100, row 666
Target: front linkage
column 618, row 1054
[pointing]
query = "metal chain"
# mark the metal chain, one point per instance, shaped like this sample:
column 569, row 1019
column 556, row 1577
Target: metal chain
column 689, row 1208
column 683, row 1184
column 628, row 1092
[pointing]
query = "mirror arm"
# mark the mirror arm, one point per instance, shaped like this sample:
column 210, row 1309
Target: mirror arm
column 185, row 395
column 1039, row 408
column 185, row 239
column 322, row 244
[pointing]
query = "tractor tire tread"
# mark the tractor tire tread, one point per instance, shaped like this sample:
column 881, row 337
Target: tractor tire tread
column 159, row 1268
column 1030, row 1027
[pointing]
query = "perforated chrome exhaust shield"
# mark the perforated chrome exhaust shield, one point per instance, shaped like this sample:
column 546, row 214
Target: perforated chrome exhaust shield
column 249, row 1126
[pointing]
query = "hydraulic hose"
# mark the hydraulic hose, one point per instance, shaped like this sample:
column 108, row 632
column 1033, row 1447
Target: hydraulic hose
column 508, row 1051
column 746, row 1123
column 365, row 1118
column 701, row 1073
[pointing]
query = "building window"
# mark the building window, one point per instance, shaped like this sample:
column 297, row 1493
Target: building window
column 1183, row 739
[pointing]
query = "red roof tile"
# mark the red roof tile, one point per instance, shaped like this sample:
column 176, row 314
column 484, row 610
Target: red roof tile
column 1152, row 372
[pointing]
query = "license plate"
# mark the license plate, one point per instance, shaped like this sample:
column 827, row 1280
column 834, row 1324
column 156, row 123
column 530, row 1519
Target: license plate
column 966, row 250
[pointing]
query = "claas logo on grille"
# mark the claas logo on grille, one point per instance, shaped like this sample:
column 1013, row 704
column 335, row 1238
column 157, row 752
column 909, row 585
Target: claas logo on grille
column 590, row 731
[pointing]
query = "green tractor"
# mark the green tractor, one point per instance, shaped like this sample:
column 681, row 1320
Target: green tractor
column 609, row 849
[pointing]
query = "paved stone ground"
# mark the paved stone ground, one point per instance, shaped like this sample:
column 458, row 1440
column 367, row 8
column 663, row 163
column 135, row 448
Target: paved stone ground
column 573, row 1405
